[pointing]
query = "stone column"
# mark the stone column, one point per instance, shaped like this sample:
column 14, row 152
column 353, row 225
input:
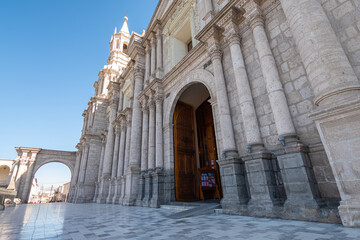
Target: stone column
column 83, row 163
column 158, row 174
column 231, row 167
column 121, row 101
column 97, row 183
column 258, row 163
column 295, row 166
column 153, row 56
column 135, row 150
column 147, row 63
column 110, row 196
column 120, row 168
column 226, row 126
column 336, row 89
column 151, row 154
column 144, row 152
column 126, row 157
column 27, row 186
column 108, row 155
column 75, row 175
column 159, row 65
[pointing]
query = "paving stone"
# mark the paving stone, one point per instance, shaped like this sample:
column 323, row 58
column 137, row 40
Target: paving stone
column 103, row 221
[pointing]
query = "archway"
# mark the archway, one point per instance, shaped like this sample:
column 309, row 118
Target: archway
column 50, row 183
column 195, row 169
column 4, row 175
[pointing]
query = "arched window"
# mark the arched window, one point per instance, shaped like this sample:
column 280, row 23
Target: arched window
column 124, row 47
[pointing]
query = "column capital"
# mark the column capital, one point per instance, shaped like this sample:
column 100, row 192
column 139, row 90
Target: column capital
column 139, row 72
column 215, row 51
column 144, row 104
column 148, row 47
column 254, row 15
column 159, row 97
column 153, row 39
column 151, row 103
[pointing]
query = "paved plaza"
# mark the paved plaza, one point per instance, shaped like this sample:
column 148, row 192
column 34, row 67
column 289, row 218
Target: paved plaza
column 97, row 221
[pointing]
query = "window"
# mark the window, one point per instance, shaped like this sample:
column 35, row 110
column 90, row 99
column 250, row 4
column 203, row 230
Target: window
column 124, row 47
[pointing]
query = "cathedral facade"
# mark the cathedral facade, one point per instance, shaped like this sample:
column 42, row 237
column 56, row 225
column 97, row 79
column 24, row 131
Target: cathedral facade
column 254, row 102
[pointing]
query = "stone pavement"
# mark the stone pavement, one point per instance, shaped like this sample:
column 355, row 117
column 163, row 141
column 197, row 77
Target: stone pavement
column 103, row 221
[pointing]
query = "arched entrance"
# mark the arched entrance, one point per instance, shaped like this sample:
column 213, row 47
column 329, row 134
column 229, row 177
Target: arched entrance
column 50, row 183
column 196, row 171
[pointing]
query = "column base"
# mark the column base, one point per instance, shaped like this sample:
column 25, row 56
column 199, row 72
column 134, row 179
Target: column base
column 122, row 190
column 349, row 211
column 303, row 196
column 235, row 193
column 141, row 189
column 158, row 188
column 103, row 190
column 262, row 184
column 117, row 186
column 110, row 196
column 84, row 193
column 147, row 188
column 131, row 186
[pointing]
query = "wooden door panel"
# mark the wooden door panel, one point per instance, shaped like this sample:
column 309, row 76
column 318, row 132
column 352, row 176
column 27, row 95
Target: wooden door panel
column 185, row 154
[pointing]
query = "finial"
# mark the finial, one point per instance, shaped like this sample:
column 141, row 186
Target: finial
column 126, row 18
column 115, row 30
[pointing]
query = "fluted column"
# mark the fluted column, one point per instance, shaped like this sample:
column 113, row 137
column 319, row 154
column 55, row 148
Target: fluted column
column 159, row 132
column 147, row 63
column 153, row 56
column 83, row 164
column 336, row 89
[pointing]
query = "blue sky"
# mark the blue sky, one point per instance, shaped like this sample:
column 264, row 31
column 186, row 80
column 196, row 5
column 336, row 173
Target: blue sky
column 50, row 54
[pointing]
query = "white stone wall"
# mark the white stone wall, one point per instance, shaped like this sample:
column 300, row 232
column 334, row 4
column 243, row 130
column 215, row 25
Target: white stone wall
column 344, row 16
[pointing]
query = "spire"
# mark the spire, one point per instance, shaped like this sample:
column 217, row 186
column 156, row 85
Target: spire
column 125, row 28
column 115, row 30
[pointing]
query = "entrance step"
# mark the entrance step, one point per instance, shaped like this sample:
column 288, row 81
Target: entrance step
column 202, row 209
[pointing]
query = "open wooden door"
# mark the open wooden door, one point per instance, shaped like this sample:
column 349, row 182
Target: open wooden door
column 186, row 180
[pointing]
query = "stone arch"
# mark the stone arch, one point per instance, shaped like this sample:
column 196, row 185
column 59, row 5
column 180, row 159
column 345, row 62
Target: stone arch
column 197, row 76
column 194, row 77
column 38, row 164
column 30, row 160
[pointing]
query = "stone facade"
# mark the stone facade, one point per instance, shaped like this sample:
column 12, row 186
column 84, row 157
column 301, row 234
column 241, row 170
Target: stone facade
column 282, row 78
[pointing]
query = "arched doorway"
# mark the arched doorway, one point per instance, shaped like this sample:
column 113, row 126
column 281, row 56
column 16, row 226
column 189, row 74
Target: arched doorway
column 50, row 183
column 195, row 147
column 4, row 175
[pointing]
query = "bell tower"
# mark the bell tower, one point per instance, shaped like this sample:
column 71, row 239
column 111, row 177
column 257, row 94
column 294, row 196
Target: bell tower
column 117, row 60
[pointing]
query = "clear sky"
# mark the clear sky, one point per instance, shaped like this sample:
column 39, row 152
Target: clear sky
column 50, row 54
